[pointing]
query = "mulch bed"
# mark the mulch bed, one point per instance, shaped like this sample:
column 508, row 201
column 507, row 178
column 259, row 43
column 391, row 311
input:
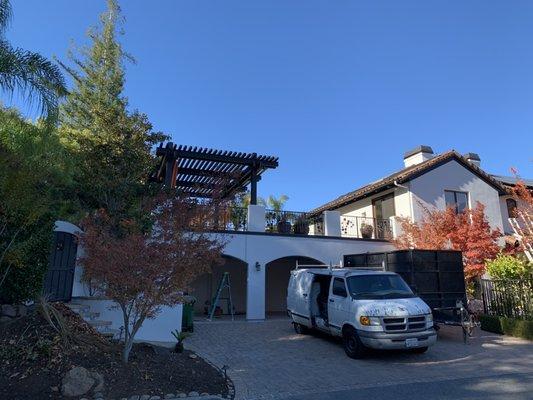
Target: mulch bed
column 34, row 357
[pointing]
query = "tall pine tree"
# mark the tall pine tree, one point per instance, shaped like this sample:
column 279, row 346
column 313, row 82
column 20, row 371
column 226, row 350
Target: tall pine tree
column 111, row 144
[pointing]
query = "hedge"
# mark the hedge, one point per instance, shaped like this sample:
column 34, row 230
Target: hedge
column 509, row 326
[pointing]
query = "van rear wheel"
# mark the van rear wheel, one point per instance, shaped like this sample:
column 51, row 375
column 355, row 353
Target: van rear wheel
column 352, row 344
column 300, row 329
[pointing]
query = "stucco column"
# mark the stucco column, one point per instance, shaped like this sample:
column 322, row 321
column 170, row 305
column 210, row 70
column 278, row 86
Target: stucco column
column 396, row 226
column 255, row 290
column 332, row 223
column 256, row 218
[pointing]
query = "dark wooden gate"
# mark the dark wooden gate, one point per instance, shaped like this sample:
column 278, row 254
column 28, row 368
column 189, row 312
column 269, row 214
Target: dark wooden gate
column 60, row 275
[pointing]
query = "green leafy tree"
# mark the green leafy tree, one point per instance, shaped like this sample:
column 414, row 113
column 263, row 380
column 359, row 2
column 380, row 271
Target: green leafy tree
column 28, row 72
column 509, row 267
column 34, row 174
column 110, row 144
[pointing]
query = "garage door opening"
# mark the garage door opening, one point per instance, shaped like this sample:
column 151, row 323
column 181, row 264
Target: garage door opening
column 204, row 289
column 277, row 280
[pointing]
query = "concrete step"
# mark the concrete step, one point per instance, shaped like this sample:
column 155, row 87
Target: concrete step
column 99, row 323
column 110, row 333
column 90, row 315
column 79, row 308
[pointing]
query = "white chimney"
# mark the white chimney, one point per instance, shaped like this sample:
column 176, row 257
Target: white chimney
column 417, row 155
column 473, row 158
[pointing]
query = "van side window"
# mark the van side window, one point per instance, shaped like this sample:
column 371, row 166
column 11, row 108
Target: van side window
column 339, row 288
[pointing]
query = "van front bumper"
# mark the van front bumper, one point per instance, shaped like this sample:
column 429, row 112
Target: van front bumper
column 390, row 341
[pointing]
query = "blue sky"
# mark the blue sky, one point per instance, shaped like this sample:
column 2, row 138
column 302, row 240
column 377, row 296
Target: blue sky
column 339, row 90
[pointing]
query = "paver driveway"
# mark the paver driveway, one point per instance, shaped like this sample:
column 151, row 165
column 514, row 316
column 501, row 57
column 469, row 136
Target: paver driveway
column 267, row 360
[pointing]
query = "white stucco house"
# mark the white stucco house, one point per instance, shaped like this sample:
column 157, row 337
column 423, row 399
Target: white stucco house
column 426, row 181
column 263, row 246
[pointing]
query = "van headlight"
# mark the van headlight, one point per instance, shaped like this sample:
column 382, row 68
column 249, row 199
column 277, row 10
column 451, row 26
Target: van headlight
column 369, row 321
column 429, row 317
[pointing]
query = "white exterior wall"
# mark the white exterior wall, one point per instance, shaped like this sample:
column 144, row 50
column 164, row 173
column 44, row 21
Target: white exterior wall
column 428, row 190
column 264, row 248
column 402, row 203
column 358, row 208
column 250, row 248
column 507, row 228
column 158, row 329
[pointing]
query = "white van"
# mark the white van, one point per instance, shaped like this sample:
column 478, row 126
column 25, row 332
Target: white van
column 373, row 309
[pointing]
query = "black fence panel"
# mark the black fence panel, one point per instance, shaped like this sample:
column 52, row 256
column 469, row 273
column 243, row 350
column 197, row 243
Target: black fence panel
column 508, row 298
column 437, row 276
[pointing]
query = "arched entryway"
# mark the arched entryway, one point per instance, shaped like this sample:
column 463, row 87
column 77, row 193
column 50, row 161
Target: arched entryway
column 205, row 287
column 277, row 279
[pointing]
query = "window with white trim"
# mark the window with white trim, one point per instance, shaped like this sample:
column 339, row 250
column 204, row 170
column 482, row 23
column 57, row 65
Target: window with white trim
column 456, row 200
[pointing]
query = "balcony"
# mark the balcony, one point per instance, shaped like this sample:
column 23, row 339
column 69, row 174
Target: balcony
column 258, row 219
column 365, row 227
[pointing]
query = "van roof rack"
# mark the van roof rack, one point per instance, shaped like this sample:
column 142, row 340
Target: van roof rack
column 300, row 266
column 330, row 266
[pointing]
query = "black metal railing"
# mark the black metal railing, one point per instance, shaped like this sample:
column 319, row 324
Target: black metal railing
column 365, row 227
column 228, row 219
column 508, row 298
column 292, row 222
column 235, row 219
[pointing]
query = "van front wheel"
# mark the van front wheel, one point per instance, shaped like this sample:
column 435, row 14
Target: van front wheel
column 300, row 329
column 352, row 344
column 420, row 350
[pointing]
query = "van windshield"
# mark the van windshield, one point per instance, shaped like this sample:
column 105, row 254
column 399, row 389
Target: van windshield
column 378, row 287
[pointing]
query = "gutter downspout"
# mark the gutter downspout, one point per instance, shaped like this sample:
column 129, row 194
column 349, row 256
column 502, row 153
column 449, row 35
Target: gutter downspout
column 410, row 198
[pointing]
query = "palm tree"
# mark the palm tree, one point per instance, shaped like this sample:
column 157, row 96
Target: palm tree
column 277, row 204
column 28, row 72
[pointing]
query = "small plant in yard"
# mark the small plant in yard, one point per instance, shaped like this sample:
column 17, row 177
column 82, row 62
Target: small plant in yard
column 143, row 271
column 508, row 267
column 180, row 338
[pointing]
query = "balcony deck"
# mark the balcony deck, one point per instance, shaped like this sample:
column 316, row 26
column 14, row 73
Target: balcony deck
column 331, row 224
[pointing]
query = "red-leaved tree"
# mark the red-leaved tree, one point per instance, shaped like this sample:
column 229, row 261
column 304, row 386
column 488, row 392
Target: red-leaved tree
column 468, row 232
column 144, row 269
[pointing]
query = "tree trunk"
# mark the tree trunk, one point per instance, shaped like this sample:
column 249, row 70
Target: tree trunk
column 127, row 349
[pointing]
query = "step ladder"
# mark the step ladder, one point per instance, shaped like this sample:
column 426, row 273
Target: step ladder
column 223, row 284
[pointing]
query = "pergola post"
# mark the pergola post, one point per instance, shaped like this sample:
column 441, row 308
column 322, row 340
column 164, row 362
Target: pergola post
column 253, row 186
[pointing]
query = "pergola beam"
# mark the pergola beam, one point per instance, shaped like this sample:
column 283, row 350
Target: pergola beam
column 248, row 159
column 201, row 172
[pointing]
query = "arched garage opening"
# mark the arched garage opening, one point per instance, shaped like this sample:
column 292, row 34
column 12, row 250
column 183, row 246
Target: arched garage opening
column 205, row 287
column 277, row 280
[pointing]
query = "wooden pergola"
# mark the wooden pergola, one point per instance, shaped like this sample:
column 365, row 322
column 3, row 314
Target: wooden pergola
column 203, row 172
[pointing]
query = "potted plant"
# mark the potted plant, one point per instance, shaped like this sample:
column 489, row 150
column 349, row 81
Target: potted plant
column 276, row 205
column 301, row 225
column 180, row 337
column 366, row 230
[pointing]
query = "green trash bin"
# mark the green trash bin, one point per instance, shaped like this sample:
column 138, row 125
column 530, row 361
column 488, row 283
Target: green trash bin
column 187, row 320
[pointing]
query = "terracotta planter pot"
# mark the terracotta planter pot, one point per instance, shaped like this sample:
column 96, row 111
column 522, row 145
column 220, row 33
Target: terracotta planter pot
column 284, row 227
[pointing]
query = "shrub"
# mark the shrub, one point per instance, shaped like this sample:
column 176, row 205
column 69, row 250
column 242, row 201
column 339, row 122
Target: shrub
column 507, row 267
column 34, row 181
column 509, row 326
